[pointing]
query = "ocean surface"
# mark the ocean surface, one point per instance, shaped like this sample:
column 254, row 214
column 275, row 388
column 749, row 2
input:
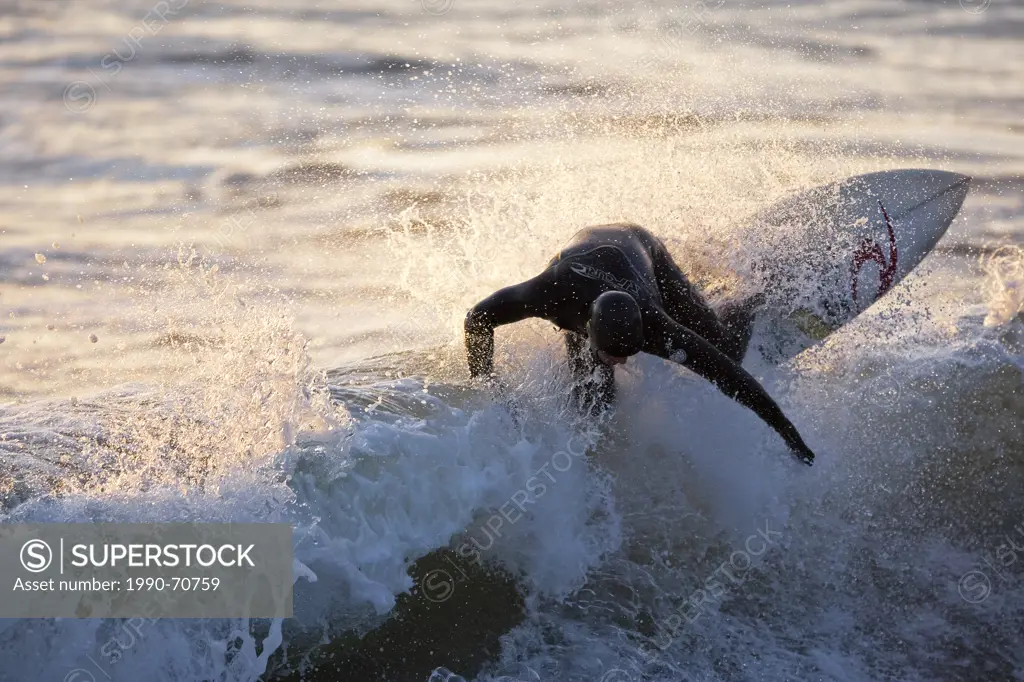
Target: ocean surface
column 238, row 240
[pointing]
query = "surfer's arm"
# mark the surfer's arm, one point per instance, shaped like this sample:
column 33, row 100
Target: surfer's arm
column 675, row 342
column 504, row 306
column 685, row 304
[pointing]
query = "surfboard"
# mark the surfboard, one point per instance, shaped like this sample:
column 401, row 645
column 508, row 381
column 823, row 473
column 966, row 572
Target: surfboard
column 843, row 246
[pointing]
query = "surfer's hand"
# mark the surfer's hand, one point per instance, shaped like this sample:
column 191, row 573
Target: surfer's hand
column 796, row 444
column 802, row 452
column 800, row 449
column 502, row 394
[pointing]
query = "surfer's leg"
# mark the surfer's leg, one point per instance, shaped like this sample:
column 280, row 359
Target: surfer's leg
column 738, row 319
column 685, row 305
column 593, row 382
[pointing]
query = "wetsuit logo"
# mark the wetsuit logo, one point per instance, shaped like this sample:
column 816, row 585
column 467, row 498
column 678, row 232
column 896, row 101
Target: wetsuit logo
column 606, row 277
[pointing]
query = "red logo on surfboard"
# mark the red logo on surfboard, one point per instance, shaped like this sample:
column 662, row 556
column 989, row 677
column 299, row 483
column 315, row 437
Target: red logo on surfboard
column 870, row 251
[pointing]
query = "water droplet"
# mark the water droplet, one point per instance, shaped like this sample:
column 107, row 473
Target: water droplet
column 93, row 338
column 40, row 258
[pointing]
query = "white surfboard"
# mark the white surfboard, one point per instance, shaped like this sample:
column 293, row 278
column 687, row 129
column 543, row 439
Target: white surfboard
column 846, row 244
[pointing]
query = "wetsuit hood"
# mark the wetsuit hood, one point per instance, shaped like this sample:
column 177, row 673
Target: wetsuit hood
column 616, row 326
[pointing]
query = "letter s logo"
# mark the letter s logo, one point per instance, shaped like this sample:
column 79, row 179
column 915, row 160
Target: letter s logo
column 36, row 556
column 79, row 97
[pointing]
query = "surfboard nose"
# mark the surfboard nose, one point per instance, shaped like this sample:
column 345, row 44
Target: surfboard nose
column 951, row 179
column 957, row 186
column 947, row 184
column 944, row 187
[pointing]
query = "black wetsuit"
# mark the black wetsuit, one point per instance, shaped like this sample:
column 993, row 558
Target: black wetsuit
column 678, row 324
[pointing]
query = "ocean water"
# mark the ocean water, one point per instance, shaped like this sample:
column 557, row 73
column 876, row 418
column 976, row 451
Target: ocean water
column 239, row 240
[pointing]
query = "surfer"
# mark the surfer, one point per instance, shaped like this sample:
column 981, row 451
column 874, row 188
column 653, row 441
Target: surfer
column 615, row 291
